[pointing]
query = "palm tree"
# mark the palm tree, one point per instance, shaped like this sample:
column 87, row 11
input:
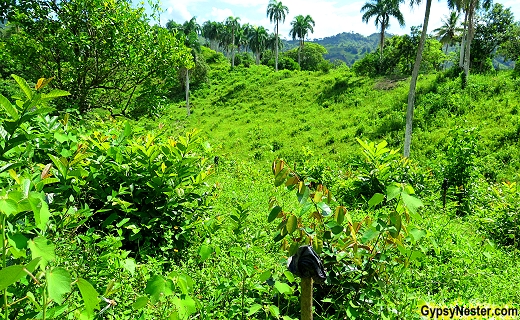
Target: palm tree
column 210, row 32
column 257, row 41
column 232, row 24
column 449, row 30
column 276, row 11
column 472, row 6
column 191, row 26
column 382, row 10
column 300, row 28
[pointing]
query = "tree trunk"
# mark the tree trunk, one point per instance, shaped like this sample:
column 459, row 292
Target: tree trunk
column 413, row 83
column 188, row 91
column 469, row 39
column 306, row 298
column 299, row 53
column 257, row 57
column 463, row 42
column 276, row 49
column 232, row 50
column 381, row 42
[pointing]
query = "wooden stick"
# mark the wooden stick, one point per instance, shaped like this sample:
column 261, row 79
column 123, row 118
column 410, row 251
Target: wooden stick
column 306, row 299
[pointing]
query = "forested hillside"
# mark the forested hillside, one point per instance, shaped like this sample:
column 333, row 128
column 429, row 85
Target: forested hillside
column 151, row 172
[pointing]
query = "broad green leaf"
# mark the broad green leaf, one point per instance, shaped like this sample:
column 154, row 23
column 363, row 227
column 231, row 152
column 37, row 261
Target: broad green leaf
column 264, row 276
column 411, row 203
column 18, row 244
column 140, row 303
column 292, row 224
column 392, row 191
column 60, row 163
column 8, row 107
column 8, row 207
column 283, row 288
column 395, row 220
column 306, row 207
column 40, row 209
column 58, row 284
column 10, row 275
column 317, row 244
column 129, row 265
column 158, row 286
column 55, row 94
column 325, row 209
column 274, row 213
column 279, row 179
column 89, row 295
column 339, row 214
column 369, row 235
column 41, row 247
column 375, row 200
column 303, row 193
column 417, row 234
column 205, row 252
column 288, row 274
column 23, row 85
column 275, row 312
column 253, row 309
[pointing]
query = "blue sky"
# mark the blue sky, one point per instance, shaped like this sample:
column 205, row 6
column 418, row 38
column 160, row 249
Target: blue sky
column 331, row 16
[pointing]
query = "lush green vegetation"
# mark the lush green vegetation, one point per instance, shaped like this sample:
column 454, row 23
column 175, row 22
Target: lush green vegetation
column 164, row 215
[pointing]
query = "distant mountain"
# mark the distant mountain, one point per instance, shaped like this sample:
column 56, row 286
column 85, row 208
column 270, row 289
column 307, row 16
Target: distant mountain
column 346, row 46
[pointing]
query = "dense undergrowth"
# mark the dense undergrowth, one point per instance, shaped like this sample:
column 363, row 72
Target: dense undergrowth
column 222, row 252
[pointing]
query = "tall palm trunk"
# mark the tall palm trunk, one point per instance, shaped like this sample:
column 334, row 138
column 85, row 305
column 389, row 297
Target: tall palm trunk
column 276, row 49
column 232, row 49
column 469, row 39
column 464, row 40
column 413, row 82
column 381, row 41
column 299, row 53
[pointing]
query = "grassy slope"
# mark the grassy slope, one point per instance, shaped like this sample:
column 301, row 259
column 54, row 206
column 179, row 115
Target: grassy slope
column 252, row 116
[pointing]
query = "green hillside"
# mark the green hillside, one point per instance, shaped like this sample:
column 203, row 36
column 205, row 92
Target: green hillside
column 347, row 46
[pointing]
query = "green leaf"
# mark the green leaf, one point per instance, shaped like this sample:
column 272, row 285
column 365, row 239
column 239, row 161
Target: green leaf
column 369, row 235
column 58, row 284
column 274, row 213
column 23, row 85
column 264, row 276
column 275, row 312
column 89, row 295
column 60, row 163
column 411, row 203
column 8, row 107
column 10, row 275
column 205, row 252
column 395, row 220
column 375, row 200
column 158, row 286
column 253, row 309
column 279, row 179
column 325, row 209
column 140, row 303
column 129, row 265
column 292, row 224
column 283, row 288
column 8, row 207
column 40, row 209
column 288, row 274
column 339, row 214
column 41, row 247
column 55, row 94
column 417, row 234
column 392, row 191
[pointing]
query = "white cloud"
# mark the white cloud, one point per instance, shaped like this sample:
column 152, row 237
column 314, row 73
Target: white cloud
column 331, row 16
column 221, row 14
